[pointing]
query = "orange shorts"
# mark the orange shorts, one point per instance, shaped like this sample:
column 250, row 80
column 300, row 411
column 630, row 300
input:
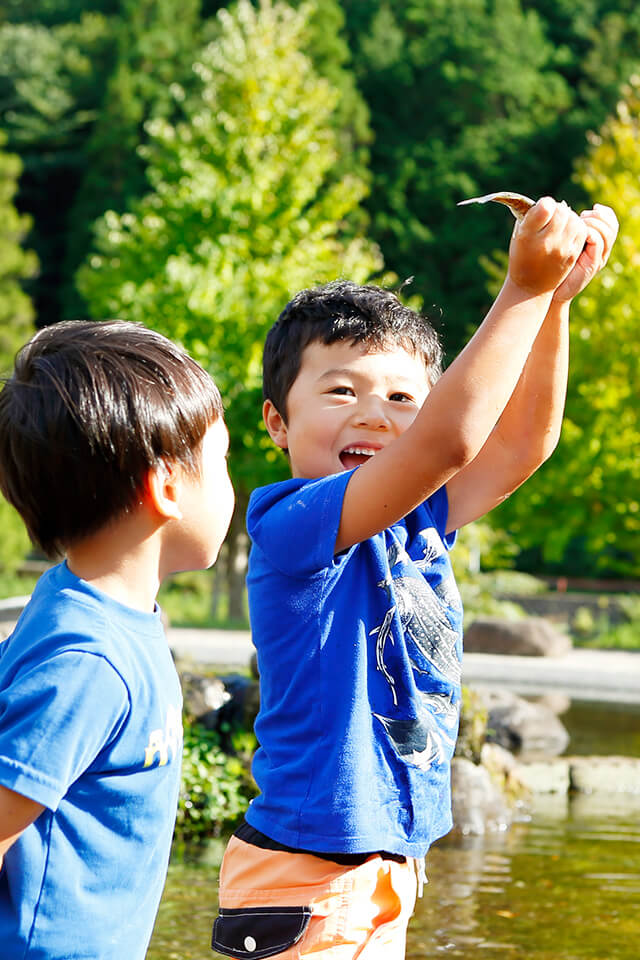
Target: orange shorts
column 295, row 906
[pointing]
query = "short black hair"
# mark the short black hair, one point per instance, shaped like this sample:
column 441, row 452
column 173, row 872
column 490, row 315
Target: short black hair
column 91, row 407
column 342, row 310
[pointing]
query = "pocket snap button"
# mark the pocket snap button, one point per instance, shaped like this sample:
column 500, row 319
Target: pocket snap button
column 250, row 944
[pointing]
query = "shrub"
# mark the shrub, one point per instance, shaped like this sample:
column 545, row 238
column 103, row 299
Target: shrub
column 216, row 786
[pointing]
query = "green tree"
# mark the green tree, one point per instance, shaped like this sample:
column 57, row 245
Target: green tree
column 329, row 52
column 77, row 82
column 596, row 43
column 328, row 49
column 471, row 96
column 16, row 264
column 156, row 42
column 244, row 210
column 51, row 13
column 16, row 323
column 464, row 99
column 51, row 83
column 581, row 512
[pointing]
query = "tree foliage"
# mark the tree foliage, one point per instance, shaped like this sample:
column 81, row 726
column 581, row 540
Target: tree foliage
column 453, row 117
column 155, row 44
column 431, row 100
column 582, row 510
column 244, row 210
column 51, row 82
column 471, row 96
column 16, row 318
column 16, row 264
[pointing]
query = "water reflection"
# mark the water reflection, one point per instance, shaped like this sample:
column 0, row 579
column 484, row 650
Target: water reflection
column 564, row 886
column 599, row 728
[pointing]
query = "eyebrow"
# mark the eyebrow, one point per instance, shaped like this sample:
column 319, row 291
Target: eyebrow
column 351, row 374
column 336, row 372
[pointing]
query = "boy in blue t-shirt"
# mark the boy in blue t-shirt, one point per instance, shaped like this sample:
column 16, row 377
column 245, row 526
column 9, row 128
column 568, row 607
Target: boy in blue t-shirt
column 354, row 610
column 112, row 449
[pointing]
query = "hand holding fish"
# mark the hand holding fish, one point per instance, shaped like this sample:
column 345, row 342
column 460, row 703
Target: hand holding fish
column 601, row 229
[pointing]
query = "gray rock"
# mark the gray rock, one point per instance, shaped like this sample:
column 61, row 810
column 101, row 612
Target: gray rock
column 531, row 637
column 223, row 703
column 558, row 703
column 611, row 778
column 544, row 776
column 242, row 709
column 608, row 775
column 253, row 666
column 523, row 727
column 497, row 760
column 478, row 805
column 204, row 697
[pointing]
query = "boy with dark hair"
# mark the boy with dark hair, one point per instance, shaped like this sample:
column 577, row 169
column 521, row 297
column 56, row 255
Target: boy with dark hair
column 112, row 448
column 354, row 609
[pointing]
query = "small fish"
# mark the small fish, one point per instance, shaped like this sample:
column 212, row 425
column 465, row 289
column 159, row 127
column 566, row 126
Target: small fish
column 517, row 203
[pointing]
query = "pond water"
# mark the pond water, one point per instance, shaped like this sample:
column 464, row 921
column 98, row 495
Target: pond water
column 564, row 885
column 603, row 728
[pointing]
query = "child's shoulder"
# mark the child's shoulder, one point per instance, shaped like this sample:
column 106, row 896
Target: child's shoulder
column 67, row 614
column 294, row 523
column 298, row 495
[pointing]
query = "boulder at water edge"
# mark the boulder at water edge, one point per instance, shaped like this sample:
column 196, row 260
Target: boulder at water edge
column 530, row 637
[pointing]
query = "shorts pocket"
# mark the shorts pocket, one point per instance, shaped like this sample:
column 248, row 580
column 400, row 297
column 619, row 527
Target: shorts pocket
column 255, row 932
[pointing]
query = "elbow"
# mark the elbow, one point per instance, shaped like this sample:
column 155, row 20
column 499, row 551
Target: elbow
column 541, row 451
column 532, row 457
column 460, row 451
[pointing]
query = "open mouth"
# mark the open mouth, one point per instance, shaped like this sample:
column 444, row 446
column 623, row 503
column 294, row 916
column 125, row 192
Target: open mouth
column 355, row 456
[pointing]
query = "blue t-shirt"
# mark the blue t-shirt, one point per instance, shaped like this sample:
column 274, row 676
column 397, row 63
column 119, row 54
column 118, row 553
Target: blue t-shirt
column 90, row 727
column 360, row 659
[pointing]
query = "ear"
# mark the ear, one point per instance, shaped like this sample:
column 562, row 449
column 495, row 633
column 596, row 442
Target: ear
column 274, row 422
column 163, row 489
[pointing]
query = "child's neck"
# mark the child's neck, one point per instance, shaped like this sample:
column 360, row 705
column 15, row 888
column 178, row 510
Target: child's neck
column 122, row 560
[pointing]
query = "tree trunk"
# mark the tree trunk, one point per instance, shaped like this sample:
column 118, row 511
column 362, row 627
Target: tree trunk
column 237, row 544
column 218, row 581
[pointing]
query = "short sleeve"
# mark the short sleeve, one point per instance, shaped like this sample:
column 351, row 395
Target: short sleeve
column 438, row 507
column 55, row 718
column 295, row 523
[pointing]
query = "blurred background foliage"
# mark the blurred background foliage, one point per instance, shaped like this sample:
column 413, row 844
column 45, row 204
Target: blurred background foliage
column 192, row 164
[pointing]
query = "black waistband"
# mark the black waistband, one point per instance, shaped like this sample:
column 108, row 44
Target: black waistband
column 247, row 833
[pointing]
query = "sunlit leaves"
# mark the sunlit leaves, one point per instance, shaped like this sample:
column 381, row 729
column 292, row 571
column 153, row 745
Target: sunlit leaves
column 587, row 496
column 16, row 319
column 245, row 210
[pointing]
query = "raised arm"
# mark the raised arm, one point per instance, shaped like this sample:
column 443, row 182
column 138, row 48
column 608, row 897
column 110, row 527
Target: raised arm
column 464, row 406
column 529, row 429
column 16, row 813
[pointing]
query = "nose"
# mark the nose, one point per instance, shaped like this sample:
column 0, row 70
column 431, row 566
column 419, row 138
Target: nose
column 371, row 413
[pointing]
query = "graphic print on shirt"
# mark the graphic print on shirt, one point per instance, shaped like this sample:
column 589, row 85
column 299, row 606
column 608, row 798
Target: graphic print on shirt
column 165, row 743
column 431, row 642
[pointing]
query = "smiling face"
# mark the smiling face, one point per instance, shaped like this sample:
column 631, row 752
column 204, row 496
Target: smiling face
column 347, row 403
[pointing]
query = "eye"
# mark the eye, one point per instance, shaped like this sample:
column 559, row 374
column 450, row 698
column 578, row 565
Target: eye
column 343, row 391
column 401, row 398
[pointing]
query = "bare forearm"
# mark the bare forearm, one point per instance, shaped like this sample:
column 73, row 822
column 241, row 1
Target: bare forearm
column 472, row 396
column 532, row 420
column 462, row 410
